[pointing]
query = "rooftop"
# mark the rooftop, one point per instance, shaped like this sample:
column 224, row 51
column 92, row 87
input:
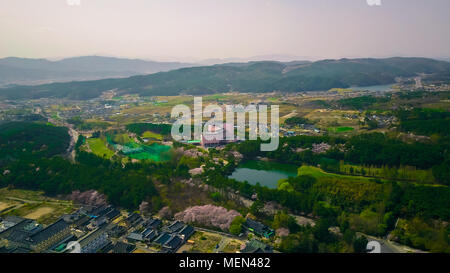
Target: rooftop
column 162, row 238
column 175, row 226
column 49, row 231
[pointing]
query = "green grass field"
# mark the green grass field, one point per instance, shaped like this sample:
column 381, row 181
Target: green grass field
column 98, row 147
column 319, row 173
column 122, row 138
column 154, row 152
column 152, row 135
column 340, row 129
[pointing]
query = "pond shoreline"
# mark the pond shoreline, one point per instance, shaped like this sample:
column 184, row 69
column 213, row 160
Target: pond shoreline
column 266, row 173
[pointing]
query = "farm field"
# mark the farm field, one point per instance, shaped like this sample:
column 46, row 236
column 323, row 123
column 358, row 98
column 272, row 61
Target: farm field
column 4, row 206
column 33, row 205
column 38, row 213
column 325, row 118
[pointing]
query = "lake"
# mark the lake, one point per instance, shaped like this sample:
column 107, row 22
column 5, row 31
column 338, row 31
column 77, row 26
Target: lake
column 379, row 88
column 266, row 173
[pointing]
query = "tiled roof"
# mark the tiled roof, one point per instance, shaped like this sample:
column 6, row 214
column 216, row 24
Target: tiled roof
column 255, row 225
column 175, row 226
column 121, row 247
column 49, row 231
column 162, row 238
column 173, row 242
column 135, row 236
column 186, row 231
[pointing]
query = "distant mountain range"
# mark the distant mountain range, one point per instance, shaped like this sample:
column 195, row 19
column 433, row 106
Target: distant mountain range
column 260, row 58
column 38, row 71
column 245, row 77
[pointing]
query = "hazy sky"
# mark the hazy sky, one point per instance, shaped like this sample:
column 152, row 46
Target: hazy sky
column 191, row 30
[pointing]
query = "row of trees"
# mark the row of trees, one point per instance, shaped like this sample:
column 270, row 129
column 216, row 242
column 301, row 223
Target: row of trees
column 374, row 149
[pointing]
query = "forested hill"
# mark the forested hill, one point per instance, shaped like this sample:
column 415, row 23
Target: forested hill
column 248, row 77
column 28, row 140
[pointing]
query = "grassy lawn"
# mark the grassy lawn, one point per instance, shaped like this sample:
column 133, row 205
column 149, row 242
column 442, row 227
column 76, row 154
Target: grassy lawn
column 340, row 129
column 98, row 147
column 205, row 242
column 122, row 138
column 319, row 173
column 152, row 135
column 325, row 118
column 232, row 247
column 6, row 194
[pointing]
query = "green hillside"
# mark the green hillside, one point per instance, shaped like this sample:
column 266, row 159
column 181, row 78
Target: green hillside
column 248, row 77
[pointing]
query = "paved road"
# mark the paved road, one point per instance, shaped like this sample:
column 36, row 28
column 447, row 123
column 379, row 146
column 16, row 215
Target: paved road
column 391, row 247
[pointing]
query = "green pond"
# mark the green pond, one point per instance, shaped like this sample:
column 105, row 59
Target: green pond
column 155, row 152
column 265, row 173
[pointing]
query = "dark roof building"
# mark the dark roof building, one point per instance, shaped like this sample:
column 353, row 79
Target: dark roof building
column 112, row 214
column 255, row 246
column 186, row 232
column 149, row 234
column 49, row 236
column 95, row 241
column 101, row 211
column 174, row 227
column 82, row 222
column 135, row 237
column 18, row 234
column 162, row 238
column 152, row 223
column 117, row 231
column 258, row 228
column 11, row 221
column 121, row 247
column 97, row 222
column 173, row 243
column 134, row 219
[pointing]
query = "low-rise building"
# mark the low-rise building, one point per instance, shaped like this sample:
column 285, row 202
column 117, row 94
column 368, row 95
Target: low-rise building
column 121, row 247
column 149, row 234
column 49, row 236
column 162, row 238
column 152, row 223
column 133, row 220
column 94, row 241
column 186, row 232
column 174, row 227
column 258, row 228
column 135, row 237
column 255, row 246
column 173, row 243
